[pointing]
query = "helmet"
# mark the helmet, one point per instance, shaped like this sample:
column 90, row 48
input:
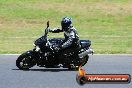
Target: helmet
column 66, row 23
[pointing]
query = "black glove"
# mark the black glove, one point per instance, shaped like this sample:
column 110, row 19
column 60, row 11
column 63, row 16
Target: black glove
column 50, row 30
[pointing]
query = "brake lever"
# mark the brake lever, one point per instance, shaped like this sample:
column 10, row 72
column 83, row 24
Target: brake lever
column 47, row 24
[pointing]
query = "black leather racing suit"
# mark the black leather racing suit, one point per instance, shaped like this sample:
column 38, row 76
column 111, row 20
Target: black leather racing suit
column 71, row 38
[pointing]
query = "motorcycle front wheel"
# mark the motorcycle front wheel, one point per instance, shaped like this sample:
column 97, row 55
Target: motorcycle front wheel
column 24, row 62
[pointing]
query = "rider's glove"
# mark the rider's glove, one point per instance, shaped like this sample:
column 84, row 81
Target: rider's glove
column 55, row 30
column 50, row 30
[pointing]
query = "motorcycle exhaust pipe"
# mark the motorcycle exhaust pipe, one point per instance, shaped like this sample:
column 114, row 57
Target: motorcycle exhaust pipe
column 88, row 51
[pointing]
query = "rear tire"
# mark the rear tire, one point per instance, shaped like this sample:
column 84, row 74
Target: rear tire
column 82, row 62
column 85, row 60
column 75, row 68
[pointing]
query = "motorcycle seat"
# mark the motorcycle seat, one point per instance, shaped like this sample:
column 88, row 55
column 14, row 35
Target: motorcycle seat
column 58, row 41
column 85, row 43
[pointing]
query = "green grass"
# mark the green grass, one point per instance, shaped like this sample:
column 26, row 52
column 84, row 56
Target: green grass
column 107, row 23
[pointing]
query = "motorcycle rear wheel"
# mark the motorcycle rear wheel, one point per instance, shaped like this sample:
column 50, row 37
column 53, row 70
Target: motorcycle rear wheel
column 85, row 60
column 73, row 68
column 82, row 63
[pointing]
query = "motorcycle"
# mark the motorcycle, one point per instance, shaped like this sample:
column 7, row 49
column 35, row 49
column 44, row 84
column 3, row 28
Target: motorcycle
column 45, row 55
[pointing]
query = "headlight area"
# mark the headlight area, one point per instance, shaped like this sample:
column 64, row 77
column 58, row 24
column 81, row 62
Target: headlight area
column 36, row 47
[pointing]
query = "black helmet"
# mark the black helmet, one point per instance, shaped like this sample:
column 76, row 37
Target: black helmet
column 66, row 23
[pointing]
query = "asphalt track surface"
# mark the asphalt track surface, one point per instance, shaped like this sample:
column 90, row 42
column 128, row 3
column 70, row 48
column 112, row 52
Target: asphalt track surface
column 39, row 77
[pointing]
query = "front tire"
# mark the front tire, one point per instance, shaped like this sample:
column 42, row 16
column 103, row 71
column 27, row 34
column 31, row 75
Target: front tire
column 24, row 62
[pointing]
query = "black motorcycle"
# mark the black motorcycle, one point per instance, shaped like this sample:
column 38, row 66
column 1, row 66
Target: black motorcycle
column 46, row 55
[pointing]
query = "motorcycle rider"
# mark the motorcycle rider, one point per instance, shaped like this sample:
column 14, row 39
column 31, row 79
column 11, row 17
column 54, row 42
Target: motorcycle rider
column 71, row 36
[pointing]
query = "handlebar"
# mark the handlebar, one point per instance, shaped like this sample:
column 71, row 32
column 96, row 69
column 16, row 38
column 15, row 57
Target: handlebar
column 47, row 29
column 47, row 24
